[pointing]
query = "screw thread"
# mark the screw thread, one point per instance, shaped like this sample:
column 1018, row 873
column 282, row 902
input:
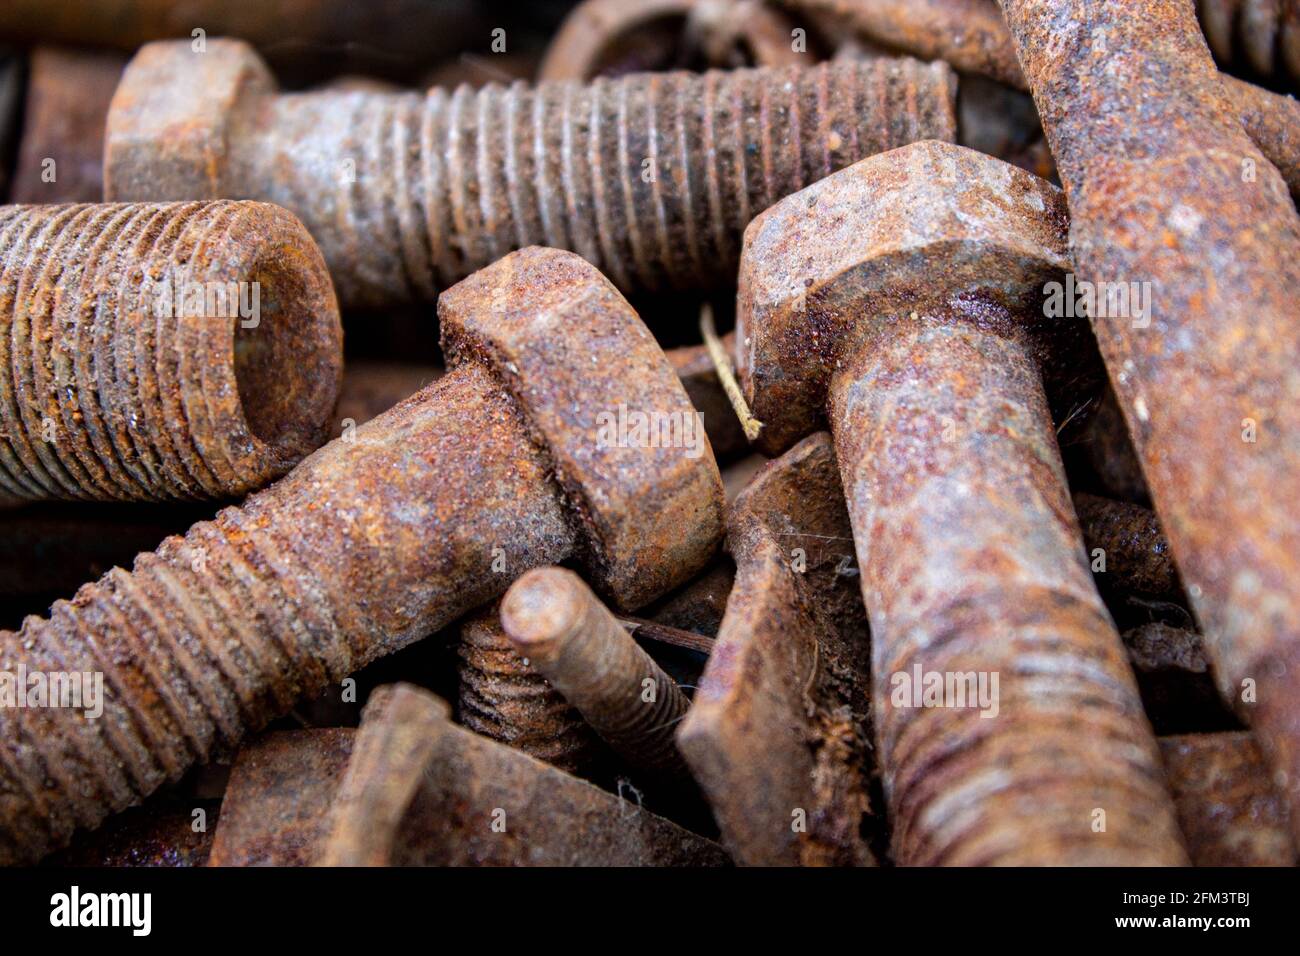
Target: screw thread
column 205, row 640
column 652, row 178
column 506, row 699
column 556, row 621
column 109, row 391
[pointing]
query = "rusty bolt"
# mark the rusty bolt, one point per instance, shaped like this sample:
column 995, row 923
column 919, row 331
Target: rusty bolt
column 899, row 297
column 650, row 177
column 61, row 156
column 125, row 376
column 1209, row 386
column 595, row 37
column 1272, row 121
column 1136, row 553
column 503, row 696
column 1228, row 810
column 1174, row 679
column 567, row 634
column 777, row 733
column 432, row 510
column 421, row 791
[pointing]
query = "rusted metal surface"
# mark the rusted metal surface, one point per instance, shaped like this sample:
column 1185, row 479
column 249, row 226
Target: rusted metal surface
column 276, row 808
column 611, row 37
column 1272, row 121
column 478, row 802
column 68, row 92
column 1210, row 392
column 651, row 177
column 123, row 376
column 778, row 733
column 371, row 388
column 1137, row 554
column 567, row 634
column 310, row 37
column 506, row 698
column 160, row 833
column 1263, row 35
column 1228, row 810
column 903, row 297
column 430, row 511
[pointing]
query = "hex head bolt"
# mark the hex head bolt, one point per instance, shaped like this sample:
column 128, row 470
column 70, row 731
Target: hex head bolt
column 898, row 296
column 123, row 373
column 651, row 177
column 369, row 545
column 1209, row 389
column 776, row 734
column 420, row 791
column 568, row 635
column 504, row 697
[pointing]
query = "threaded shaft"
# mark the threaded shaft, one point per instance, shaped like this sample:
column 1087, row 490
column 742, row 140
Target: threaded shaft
column 652, row 177
column 1009, row 724
column 564, row 630
column 117, row 381
column 502, row 696
column 368, row 546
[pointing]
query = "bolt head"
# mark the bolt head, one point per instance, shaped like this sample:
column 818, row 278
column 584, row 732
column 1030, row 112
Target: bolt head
column 581, row 365
column 910, row 230
column 168, row 129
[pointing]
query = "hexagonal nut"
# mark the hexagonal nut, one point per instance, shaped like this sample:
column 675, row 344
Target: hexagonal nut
column 168, row 132
column 910, row 230
column 628, row 448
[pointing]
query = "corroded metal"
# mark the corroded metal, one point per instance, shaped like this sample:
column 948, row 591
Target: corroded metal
column 1158, row 194
column 277, row 802
column 505, row 697
column 1272, row 121
column 650, row 177
column 1228, row 810
column 777, row 734
column 700, row 604
column 68, row 92
column 472, row 801
column 595, row 37
column 902, row 298
column 124, row 376
column 429, row 511
column 1136, row 552
column 567, row 634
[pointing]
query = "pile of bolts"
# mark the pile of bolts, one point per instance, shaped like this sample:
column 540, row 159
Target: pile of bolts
column 973, row 540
